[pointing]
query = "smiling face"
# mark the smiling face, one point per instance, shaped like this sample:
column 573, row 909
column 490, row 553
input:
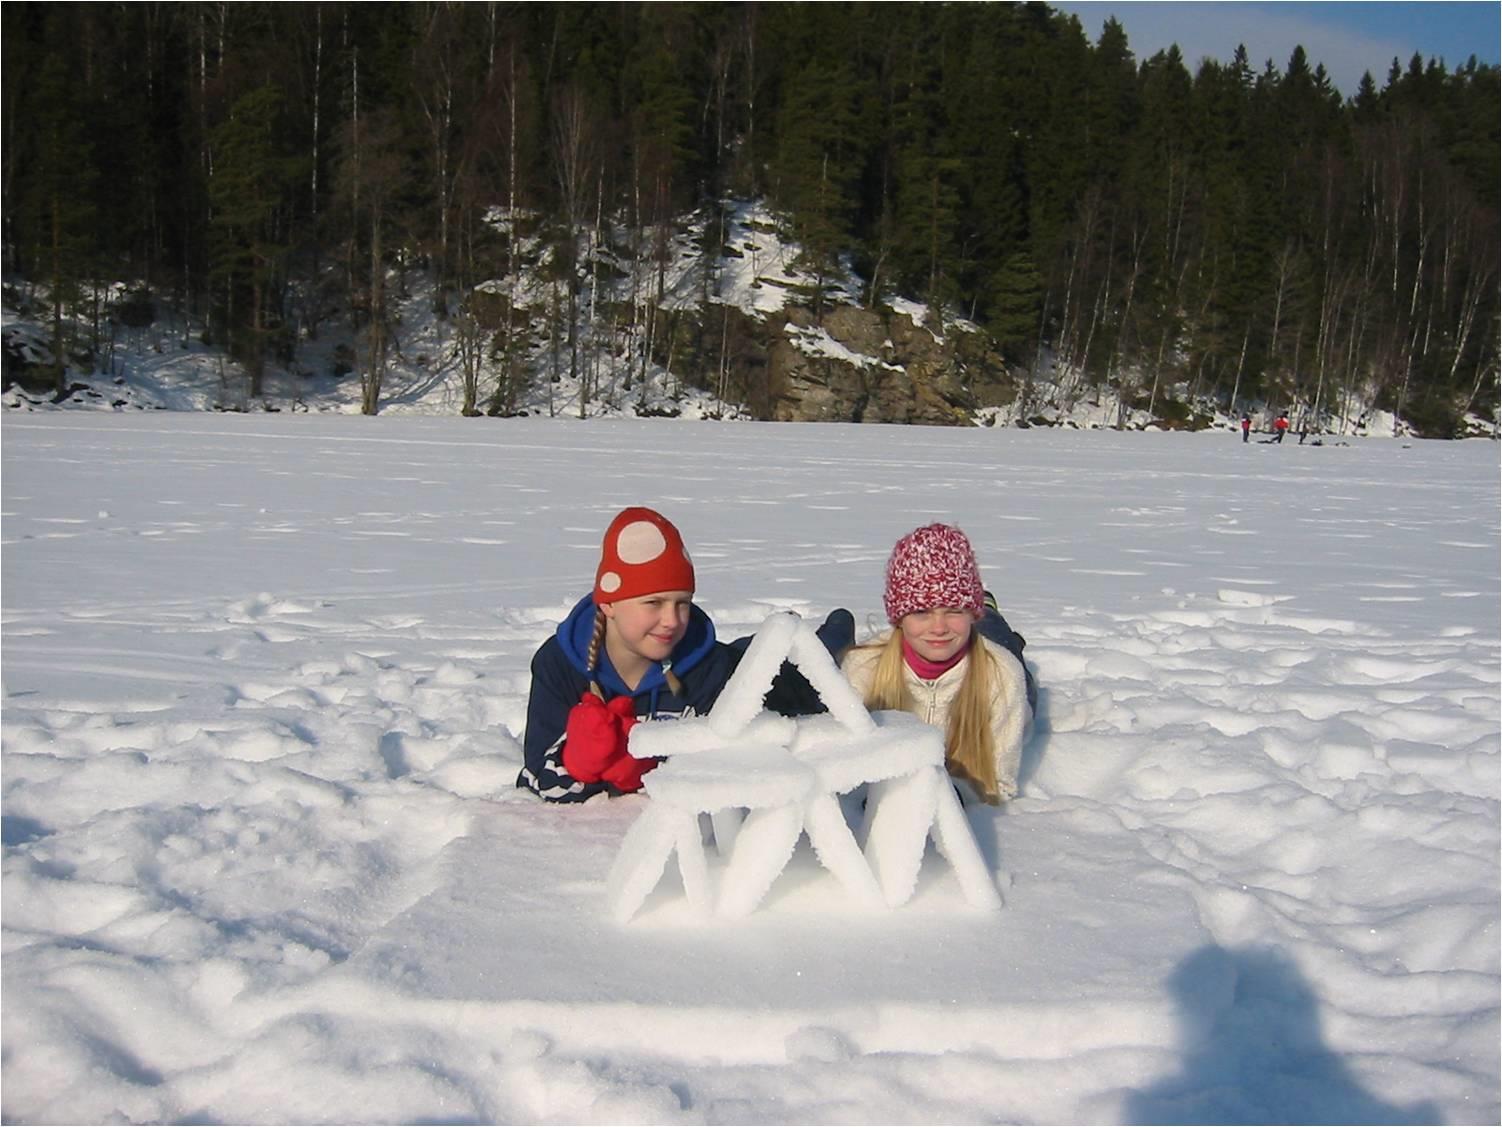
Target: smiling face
column 937, row 634
column 644, row 630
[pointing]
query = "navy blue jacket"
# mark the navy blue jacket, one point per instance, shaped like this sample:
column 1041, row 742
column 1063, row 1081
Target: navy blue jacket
column 702, row 665
column 992, row 625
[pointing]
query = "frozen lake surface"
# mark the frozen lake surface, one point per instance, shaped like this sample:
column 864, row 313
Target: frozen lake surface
column 264, row 685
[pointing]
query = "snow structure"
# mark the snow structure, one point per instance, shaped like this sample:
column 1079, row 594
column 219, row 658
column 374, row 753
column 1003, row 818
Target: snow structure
column 762, row 779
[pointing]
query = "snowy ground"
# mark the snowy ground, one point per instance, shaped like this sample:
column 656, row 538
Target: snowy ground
column 264, row 682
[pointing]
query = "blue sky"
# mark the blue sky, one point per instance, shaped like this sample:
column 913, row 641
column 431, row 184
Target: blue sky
column 1348, row 38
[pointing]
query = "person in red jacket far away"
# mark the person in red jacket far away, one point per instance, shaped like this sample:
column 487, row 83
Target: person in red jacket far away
column 1280, row 426
column 1246, row 427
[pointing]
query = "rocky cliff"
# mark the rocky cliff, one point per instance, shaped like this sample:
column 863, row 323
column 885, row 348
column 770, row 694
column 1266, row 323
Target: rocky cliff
column 854, row 365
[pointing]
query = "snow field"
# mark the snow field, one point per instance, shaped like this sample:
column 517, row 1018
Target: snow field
column 264, row 687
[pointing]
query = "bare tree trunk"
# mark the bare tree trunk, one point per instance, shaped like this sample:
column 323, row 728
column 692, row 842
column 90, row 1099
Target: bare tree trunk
column 255, row 361
column 59, row 344
column 434, row 58
column 1478, row 287
column 592, row 357
column 1483, row 369
column 513, row 267
column 375, row 366
column 1285, row 270
column 571, row 168
column 639, row 240
column 555, row 373
column 1139, row 240
column 1152, row 399
column 503, row 399
column 469, row 344
column 1331, row 306
column 1354, row 353
column 355, row 179
column 1071, row 350
column 313, row 317
column 722, row 383
column 1240, row 367
column 750, row 26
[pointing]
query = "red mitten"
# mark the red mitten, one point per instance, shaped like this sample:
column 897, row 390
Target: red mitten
column 626, row 772
column 592, row 739
column 624, row 710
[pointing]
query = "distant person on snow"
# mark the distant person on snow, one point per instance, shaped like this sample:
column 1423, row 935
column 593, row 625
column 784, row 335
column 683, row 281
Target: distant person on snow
column 1246, row 427
column 1280, row 427
column 936, row 664
column 635, row 648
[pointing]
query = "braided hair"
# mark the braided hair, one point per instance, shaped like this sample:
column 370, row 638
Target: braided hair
column 592, row 659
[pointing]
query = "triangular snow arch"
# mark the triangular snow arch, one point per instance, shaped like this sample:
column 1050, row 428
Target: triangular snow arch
column 785, row 774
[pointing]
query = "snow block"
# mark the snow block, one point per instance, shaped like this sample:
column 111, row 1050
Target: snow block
column 815, row 663
column 955, row 842
column 741, row 700
column 898, row 815
column 750, row 775
column 649, row 740
column 764, row 780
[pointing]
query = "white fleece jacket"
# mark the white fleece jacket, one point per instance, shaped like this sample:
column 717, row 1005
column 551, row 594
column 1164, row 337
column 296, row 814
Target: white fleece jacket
column 932, row 700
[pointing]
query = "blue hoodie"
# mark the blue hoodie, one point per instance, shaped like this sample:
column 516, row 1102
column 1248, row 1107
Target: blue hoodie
column 703, row 665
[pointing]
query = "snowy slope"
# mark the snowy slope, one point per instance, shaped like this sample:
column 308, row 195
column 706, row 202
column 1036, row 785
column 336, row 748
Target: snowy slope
column 264, row 685
column 165, row 366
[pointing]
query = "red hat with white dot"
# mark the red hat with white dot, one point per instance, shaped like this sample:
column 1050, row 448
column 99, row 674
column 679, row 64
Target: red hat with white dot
column 933, row 566
column 642, row 554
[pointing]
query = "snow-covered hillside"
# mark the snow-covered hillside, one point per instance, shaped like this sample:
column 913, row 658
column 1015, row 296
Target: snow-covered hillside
column 264, row 686
column 167, row 366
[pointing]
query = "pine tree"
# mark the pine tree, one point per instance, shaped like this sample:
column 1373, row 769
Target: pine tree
column 1016, row 303
column 247, row 191
column 944, row 150
column 58, row 205
column 926, row 207
column 816, row 171
column 986, row 144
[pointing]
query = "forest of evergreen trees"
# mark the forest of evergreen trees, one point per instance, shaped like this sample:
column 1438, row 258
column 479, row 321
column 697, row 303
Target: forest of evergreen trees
column 1241, row 226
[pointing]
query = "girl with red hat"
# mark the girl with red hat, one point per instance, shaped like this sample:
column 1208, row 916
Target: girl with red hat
column 937, row 665
column 636, row 647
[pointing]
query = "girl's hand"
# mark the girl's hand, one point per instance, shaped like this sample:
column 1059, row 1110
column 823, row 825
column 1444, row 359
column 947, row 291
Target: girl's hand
column 594, row 743
column 625, row 772
column 624, row 710
column 593, row 738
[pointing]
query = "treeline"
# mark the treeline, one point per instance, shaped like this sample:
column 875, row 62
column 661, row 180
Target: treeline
column 1241, row 226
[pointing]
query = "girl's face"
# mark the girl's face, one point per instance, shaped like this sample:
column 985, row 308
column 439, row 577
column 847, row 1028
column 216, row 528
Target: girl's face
column 651, row 625
column 939, row 633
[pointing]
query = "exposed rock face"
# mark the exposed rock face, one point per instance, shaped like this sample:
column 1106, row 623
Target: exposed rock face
column 865, row 367
column 853, row 365
column 862, row 366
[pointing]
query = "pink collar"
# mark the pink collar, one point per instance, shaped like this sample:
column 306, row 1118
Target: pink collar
column 930, row 670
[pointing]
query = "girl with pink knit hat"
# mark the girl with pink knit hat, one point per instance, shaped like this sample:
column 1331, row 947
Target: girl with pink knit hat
column 937, row 664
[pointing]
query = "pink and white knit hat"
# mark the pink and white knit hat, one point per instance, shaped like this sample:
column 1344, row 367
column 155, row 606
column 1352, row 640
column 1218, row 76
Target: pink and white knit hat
column 933, row 566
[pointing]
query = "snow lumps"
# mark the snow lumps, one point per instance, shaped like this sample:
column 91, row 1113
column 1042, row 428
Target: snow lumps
column 759, row 796
column 398, row 938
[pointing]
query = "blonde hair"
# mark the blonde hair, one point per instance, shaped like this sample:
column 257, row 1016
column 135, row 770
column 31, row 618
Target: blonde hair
column 969, row 749
column 592, row 660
